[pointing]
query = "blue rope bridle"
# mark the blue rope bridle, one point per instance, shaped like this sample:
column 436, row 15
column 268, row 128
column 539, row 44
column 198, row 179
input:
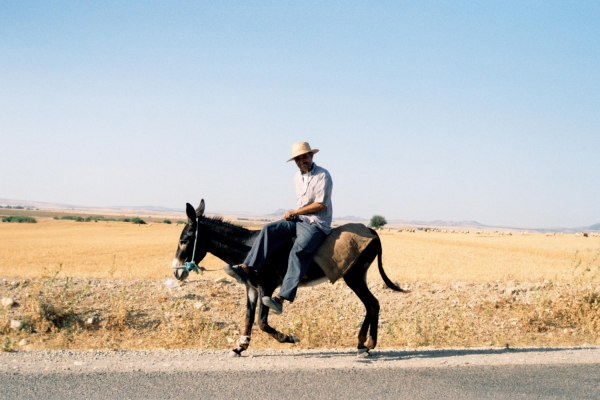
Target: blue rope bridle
column 191, row 265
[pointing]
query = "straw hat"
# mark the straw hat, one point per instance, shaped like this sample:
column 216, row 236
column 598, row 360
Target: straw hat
column 301, row 148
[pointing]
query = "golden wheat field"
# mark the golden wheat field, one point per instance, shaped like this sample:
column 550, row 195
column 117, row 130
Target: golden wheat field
column 126, row 250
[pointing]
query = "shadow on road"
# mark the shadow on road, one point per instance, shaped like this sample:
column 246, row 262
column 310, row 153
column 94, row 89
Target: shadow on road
column 432, row 354
column 393, row 355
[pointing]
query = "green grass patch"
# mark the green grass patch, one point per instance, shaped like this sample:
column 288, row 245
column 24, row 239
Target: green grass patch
column 71, row 218
column 96, row 218
column 19, row 219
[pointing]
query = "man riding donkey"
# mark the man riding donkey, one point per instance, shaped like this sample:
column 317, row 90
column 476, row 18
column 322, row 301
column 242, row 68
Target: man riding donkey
column 310, row 223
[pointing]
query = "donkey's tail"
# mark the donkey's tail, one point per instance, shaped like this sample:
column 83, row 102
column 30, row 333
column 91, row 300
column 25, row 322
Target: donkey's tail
column 387, row 280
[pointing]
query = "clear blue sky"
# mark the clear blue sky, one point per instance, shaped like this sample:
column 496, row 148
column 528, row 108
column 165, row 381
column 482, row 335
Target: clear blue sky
column 486, row 111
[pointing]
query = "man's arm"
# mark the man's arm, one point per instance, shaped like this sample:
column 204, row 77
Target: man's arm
column 307, row 209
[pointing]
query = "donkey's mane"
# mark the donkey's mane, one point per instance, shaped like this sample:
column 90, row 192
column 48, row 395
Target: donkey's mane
column 227, row 228
column 219, row 219
column 228, row 236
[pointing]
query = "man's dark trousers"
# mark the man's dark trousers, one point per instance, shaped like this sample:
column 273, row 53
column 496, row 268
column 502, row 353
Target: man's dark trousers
column 273, row 235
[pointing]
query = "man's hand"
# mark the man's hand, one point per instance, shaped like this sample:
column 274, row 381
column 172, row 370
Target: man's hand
column 289, row 215
column 307, row 209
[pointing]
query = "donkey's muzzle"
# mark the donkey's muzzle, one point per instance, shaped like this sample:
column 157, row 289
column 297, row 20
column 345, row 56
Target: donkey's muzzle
column 181, row 274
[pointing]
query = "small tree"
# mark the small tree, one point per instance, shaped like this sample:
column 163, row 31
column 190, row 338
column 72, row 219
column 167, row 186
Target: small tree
column 377, row 221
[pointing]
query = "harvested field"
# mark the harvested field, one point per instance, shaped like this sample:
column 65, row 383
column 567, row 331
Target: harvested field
column 98, row 285
column 129, row 251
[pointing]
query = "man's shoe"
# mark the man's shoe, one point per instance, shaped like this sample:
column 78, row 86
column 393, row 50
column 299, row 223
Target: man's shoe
column 273, row 303
column 236, row 272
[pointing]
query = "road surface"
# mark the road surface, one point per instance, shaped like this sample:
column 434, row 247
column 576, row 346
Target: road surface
column 328, row 374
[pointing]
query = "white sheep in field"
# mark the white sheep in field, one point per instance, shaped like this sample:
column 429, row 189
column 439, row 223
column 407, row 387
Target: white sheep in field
column 406, row 230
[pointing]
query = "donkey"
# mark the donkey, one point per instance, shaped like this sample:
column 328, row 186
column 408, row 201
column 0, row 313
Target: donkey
column 231, row 243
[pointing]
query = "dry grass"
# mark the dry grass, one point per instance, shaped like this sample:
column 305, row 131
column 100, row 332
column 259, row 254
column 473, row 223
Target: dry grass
column 97, row 285
column 109, row 314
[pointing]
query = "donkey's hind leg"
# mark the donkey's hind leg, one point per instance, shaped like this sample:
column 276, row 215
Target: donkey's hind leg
column 263, row 320
column 356, row 280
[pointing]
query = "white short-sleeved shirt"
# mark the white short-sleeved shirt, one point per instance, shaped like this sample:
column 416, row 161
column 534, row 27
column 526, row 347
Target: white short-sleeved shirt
column 315, row 187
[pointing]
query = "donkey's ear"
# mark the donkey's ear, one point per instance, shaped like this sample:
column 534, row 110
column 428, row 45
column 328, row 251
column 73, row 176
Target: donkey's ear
column 191, row 213
column 200, row 209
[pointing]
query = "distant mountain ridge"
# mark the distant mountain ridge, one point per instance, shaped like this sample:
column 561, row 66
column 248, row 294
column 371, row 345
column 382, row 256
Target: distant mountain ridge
column 350, row 218
column 281, row 211
column 277, row 213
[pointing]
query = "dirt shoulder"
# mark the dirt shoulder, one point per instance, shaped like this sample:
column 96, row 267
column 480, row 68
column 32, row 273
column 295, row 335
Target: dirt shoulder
column 195, row 360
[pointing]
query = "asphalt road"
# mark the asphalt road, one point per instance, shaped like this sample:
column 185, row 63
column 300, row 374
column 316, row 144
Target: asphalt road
column 490, row 382
column 188, row 374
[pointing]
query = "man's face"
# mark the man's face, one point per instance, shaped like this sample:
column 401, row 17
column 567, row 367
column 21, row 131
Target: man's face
column 304, row 162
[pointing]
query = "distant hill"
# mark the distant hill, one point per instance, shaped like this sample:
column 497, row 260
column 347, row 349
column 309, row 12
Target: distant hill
column 280, row 212
column 146, row 208
column 36, row 204
column 350, row 218
column 277, row 213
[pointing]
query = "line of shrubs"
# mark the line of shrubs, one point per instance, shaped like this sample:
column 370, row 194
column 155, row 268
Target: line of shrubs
column 17, row 207
column 19, row 219
column 97, row 218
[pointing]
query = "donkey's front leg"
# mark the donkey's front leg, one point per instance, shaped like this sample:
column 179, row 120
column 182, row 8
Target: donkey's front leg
column 244, row 341
column 263, row 320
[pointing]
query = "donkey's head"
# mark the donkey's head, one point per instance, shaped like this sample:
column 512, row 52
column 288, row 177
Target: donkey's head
column 188, row 241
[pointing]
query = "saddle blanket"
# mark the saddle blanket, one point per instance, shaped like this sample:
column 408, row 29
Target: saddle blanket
column 341, row 249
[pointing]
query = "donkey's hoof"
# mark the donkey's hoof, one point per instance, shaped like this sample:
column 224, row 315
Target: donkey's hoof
column 293, row 338
column 234, row 353
column 370, row 344
column 362, row 353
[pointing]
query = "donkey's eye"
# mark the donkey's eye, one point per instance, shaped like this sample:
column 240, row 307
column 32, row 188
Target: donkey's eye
column 182, row 242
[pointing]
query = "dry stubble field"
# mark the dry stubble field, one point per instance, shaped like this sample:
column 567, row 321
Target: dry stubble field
column 99, row 285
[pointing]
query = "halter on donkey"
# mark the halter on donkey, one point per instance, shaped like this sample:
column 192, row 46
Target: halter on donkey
column 231, row 243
